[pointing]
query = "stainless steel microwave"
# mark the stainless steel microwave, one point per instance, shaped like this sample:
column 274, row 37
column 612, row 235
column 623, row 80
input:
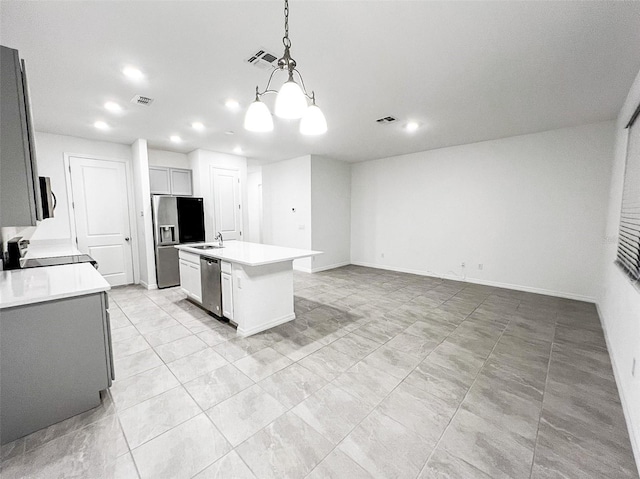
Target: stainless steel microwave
column 47, row 198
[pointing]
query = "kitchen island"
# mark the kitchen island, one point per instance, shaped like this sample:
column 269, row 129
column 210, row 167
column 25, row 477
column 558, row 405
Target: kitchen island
column 256, row 281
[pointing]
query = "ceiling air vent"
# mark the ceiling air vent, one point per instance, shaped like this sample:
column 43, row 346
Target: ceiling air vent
column 386, row 119
column 263, row 59
column 142, row 100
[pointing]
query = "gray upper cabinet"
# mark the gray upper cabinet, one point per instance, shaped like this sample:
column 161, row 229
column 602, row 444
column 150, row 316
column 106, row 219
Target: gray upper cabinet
column 170, row 181
column 181, row 183
column 19, row 185
column 159, row 180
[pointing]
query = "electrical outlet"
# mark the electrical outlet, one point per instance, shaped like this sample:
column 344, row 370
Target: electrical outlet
column 480, row 266
column 463, row 264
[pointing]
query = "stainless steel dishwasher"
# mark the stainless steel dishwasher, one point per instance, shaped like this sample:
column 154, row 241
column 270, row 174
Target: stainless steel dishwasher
column 211, row 289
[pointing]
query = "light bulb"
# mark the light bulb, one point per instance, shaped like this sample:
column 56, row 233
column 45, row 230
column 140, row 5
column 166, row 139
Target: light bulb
column 112, row 106
column 290, row 102
column 258, row 118
column 313, row 122
column 133, row 73
column 232, row 104
column 412, row 126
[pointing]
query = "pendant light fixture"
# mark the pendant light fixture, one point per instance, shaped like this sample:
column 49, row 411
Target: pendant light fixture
column 291, row 99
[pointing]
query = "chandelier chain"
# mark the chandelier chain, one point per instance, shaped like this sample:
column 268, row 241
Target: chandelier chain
column 285, row 39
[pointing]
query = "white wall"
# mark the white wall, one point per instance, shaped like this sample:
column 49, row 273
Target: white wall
column 286, row 186
column 50, row 150
column 619, row 302
column 201, row 162
column 169, row 159
column 254, row 204
column 330, row 212
column 144, row 222
column 530, row 208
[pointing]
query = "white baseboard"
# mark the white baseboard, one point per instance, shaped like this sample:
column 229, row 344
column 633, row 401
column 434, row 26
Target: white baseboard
column 331, row 266
column 626, row 409
column 149, row 286
column 454, row 277
column 275, row 322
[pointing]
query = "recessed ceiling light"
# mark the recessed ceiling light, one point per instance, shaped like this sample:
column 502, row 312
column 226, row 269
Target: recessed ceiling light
column 175, row 138
column 412, row 126
column 232, row 104
column 101, row 125
column 196, row 125
column 229, row 132
column 237, row 150
column 133, row 73
column 112, row 106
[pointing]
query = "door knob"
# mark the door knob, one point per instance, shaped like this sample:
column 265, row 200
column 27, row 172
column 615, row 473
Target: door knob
column 126, row 238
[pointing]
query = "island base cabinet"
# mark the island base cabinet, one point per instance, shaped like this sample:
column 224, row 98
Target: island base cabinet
column 56, row 358
column 190, row 280
column 262, row 296
column 227, row 295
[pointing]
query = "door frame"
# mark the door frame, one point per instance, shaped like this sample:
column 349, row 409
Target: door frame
column 130, row 200
column 213, row 198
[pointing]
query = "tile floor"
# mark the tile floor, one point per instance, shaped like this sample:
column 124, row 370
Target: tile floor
column 382, row 374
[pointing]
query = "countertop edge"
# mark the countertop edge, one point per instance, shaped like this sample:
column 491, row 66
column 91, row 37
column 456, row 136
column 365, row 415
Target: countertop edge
column 95, row 284
column 221, row 256
column 28, row 302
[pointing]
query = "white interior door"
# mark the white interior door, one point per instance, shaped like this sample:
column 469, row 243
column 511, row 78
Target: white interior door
column 226, row 203
column 101, row 212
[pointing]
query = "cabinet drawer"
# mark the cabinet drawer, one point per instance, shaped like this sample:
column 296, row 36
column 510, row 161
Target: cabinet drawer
column 225, row 267
column 189, row 257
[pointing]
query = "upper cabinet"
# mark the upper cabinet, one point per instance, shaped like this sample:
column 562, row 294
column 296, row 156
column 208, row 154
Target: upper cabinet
column 181, row 183
column 19, row 185
column 170, row 181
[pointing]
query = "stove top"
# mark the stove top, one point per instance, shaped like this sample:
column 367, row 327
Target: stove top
column 59, row 260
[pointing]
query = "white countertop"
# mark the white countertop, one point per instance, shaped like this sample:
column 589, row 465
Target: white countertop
column 35, row 285
column 51, row 249
column 251, row 254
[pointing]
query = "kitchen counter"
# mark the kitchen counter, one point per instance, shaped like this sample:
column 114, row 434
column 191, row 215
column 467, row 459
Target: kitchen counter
column 35, row 285
column 256, row 282
column 249, row 254
column 51, row 249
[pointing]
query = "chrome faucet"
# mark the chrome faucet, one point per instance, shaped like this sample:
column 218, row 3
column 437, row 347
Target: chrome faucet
column 218, row 238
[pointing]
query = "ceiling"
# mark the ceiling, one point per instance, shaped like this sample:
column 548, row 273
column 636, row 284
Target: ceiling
column 466, row 71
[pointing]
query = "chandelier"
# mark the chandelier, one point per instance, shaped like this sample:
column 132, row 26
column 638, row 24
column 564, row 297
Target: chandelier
column 291, row 99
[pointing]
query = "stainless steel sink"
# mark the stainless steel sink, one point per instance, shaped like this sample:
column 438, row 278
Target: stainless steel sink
column 207, row 246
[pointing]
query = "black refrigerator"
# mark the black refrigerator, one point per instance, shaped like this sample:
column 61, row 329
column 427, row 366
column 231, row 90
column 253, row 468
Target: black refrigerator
column 176, row 220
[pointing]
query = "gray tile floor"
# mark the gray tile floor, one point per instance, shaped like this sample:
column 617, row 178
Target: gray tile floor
column 382, row 374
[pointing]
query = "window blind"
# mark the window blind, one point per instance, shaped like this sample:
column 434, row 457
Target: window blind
column 629, row 234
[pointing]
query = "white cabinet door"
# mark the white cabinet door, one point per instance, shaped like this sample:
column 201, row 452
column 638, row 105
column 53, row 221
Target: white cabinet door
column 190, row 281
column 196, row 282
column 159, row 181
column 227, row 296
column 181, row 182
column 185, row 276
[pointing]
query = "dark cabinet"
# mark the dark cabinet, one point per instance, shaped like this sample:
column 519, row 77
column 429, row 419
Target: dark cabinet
column 20, row 203
column 56, row 358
